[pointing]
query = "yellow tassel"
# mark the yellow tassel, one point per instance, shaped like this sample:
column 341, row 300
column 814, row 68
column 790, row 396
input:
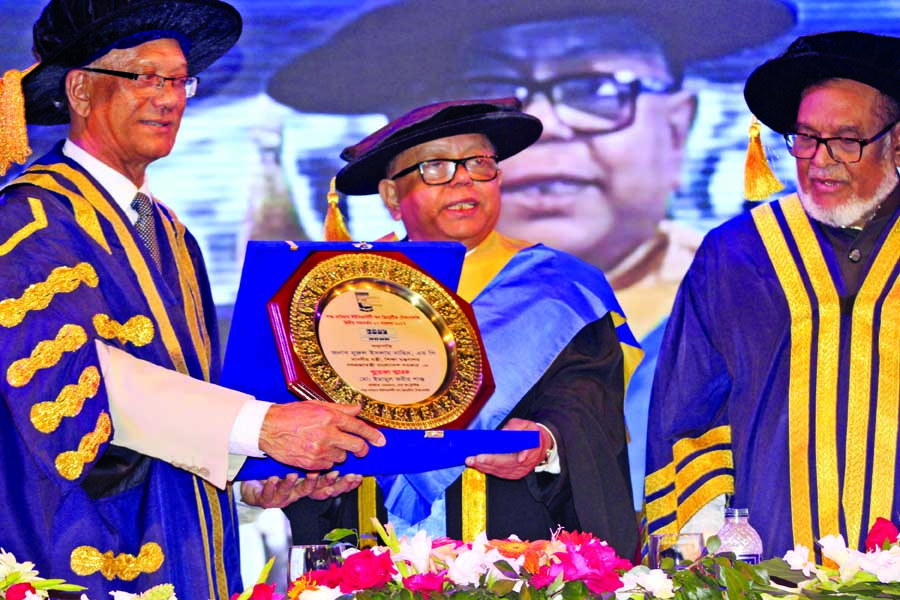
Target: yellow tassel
column 13, row 133
column 759, row 181
column 335, row 228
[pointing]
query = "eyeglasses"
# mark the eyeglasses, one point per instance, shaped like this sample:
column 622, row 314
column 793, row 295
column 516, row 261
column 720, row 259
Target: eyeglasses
column 841, row 149
column 148, row 81
column 591, row 103
column 439, row 171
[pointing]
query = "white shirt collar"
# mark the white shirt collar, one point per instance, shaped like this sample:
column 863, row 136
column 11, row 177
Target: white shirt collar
column 117, row 185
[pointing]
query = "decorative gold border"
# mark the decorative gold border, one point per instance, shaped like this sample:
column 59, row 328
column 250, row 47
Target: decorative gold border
column 449, row 402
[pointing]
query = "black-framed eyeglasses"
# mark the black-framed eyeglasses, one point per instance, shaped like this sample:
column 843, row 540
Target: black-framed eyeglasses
column 186, row 84
column 439, row 171
column 841, row 149
column 586, row 102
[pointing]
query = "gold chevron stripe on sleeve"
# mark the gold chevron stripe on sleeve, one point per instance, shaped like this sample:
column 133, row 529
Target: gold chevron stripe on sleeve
column 71, row 464
column 46, row 354
column 39, row 295
column 138, row 329
column 85, row 215
column 46, row 416
column 87, row 560
column 39, row 222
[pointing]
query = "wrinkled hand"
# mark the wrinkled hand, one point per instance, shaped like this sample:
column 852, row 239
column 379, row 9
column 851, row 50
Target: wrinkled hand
column 314, row 435
column 278, row 493
column 514, row 465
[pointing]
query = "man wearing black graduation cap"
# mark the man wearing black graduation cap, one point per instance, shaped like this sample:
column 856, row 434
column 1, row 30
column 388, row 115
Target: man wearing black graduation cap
column 559, row 348
column 778, row 376
column 605, row 79
column 117, row 447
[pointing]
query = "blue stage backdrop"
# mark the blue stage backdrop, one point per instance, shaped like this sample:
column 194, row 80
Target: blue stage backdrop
column 248, row 167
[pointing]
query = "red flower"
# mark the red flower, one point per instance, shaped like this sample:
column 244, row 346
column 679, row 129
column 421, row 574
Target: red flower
column 18, row 591
column 425, row 583
column 882, row 531
column 328, row 578
column 262, row 591
column 365, row 569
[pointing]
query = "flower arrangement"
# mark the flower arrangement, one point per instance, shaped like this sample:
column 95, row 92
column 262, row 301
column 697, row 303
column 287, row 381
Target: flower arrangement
column 574, row 565
column 874, row 573
column 569, row 565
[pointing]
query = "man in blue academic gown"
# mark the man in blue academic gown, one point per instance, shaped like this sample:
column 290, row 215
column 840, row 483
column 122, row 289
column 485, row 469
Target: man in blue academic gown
column 777, row 380
column 116, row 445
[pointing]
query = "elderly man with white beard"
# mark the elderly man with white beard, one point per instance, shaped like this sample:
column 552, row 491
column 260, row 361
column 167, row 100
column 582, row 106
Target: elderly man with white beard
column 777, row 381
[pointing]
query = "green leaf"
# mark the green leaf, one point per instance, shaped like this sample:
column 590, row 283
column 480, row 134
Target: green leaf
column 736, row 586
column 502, row 587
column 336, row 535
column 264, row 574
column 69, row 587
column 713, row 543
column 506, row 569
column 575, row 590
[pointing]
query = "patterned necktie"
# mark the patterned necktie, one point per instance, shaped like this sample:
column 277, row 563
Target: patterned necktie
column 145, row 226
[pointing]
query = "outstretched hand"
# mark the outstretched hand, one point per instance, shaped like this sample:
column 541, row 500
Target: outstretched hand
column 315, row 435
column 276, row 492
column 514, row 465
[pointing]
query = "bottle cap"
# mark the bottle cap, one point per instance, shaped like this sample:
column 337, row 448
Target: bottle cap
column 733, row 513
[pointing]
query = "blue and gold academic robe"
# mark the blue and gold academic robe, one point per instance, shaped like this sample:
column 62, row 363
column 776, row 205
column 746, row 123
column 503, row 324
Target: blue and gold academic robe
column 779, row 385
column 72, row 271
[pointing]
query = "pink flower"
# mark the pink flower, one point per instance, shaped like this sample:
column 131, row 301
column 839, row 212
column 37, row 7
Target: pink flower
column 882, row 531
column 546, row 575
column 426, row 583
column 19, row 591
column 365, row 569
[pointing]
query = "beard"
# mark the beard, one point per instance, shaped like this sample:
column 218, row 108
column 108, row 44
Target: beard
column 856, row 211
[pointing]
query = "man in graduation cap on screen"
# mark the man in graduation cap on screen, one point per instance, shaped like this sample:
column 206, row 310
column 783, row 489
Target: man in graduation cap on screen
column 559, row 348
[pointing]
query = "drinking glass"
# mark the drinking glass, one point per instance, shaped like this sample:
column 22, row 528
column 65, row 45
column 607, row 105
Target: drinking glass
column 681, row 547
column 303, row 559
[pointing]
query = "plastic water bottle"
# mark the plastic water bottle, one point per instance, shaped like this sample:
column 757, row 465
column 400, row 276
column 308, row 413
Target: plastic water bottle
column 739, row 537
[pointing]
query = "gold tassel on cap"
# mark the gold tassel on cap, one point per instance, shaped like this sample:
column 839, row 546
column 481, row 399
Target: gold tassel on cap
column 335, row 228
column 759, row 181
column 13, row 133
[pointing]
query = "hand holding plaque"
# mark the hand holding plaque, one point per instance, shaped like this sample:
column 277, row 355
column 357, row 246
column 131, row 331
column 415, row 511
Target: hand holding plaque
column 365, row 328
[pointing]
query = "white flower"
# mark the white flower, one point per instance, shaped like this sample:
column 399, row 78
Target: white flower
column 416, row 550
column 642, row 579
column 798, row 560
column 884, row 564
column 8, row 566
column 847, row 560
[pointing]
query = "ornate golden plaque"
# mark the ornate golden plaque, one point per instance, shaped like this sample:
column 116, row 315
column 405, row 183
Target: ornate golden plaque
column 373, row 329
